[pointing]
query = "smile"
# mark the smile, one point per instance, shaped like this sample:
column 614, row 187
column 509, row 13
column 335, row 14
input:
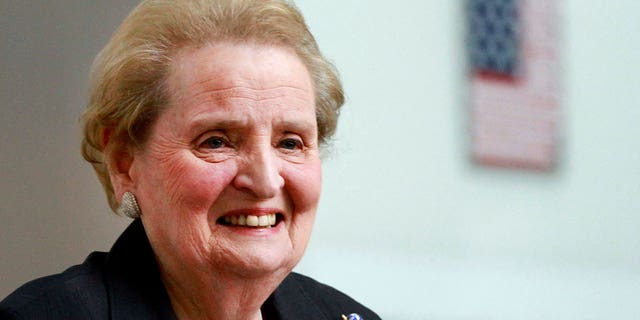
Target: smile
column 263, row 221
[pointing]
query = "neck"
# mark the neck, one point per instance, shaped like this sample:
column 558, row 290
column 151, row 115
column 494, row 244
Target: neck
column 220, row 296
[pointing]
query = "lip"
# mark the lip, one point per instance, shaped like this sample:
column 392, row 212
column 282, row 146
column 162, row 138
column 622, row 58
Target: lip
column 280, row 220
column 253, row 211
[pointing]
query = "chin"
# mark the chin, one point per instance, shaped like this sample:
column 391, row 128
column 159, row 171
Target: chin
column 254, row 252
column 256, row 259
column 261, row 264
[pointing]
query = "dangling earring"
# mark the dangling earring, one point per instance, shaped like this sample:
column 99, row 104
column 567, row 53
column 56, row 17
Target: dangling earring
column 129, row 206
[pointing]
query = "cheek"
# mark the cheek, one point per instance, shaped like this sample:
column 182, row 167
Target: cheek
column 304, row 184
column 190, row 185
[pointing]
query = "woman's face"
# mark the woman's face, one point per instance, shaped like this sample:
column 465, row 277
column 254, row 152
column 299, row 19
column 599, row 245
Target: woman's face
column 229, row 179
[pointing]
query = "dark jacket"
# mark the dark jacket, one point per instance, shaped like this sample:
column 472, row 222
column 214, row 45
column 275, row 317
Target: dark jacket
column 125, row 284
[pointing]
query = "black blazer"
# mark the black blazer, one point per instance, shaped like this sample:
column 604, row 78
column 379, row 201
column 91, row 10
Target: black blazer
column 125, row 284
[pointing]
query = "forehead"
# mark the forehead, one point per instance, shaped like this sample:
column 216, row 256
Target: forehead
column 232, row 85
column 242, row 70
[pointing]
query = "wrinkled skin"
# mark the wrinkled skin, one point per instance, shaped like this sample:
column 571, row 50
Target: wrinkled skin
column 238, row 137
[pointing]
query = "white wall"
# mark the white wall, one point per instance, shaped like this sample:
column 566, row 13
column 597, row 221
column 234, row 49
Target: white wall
column 406, row 225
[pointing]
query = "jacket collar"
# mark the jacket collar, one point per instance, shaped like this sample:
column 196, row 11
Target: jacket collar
column 291, row 301
column 133, row 281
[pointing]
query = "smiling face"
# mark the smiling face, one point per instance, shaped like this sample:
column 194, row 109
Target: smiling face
column 230, row 176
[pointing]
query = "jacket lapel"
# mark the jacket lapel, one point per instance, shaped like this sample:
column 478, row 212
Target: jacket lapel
column 291, row 302
column 133, row 281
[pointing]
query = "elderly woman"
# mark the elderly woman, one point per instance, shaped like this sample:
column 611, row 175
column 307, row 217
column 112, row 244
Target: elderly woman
column 204, row 125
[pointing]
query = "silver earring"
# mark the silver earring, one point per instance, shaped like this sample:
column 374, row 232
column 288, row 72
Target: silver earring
column 129, row 206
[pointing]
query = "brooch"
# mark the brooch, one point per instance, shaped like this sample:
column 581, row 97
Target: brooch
column 353, row 316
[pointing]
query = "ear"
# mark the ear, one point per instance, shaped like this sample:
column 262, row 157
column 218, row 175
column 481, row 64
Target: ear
column 119, row 164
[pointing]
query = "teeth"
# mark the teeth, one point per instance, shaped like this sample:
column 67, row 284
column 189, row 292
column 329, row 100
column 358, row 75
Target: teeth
column 252, row 221
column 268, row 220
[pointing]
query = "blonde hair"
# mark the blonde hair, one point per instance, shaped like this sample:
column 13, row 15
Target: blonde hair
column 128, row 77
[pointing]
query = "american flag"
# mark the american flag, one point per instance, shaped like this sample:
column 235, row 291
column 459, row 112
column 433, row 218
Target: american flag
column 494, row 37
column 513, row 82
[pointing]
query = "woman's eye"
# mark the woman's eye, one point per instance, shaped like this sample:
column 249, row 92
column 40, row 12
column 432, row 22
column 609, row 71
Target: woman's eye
column 214, row 143
column 291, row 144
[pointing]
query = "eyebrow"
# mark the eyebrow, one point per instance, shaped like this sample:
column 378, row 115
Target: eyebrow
column 202, row 122
column 297, row 126
column 208, row 121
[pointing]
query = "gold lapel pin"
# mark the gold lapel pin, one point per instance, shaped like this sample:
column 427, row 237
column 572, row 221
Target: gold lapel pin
column 353, row 316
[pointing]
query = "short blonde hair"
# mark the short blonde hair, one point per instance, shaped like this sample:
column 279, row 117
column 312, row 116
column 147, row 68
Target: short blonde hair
column 128, row 77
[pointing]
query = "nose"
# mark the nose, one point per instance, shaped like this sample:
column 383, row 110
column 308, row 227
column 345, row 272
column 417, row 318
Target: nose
column 259, row 174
